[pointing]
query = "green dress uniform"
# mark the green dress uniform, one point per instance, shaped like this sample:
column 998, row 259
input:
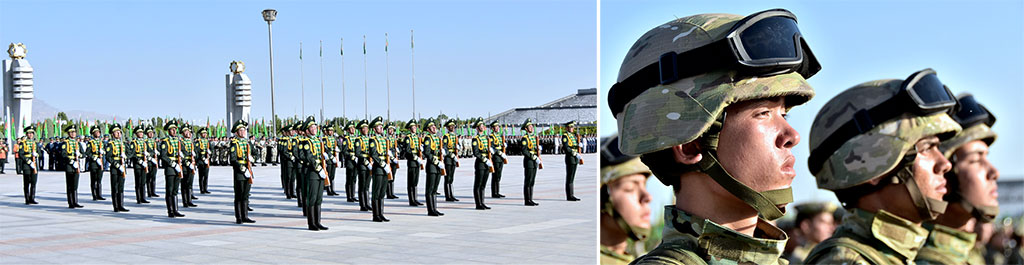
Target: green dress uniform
column 202, row 147
column 27, row 150
column 392, row 147
column 689, row 239
column 170, row 158
column 378, row 147
column 288, row 165
column 330, row 147
column 152, row 165
column 70, row 153
column 482, row 167
column 94, row 159
column 450, row 143
column 412, row 163
column 571, row 149
column 351, row 165
column 363, row 151
column 188, row 170
column 311, row 155
column 299, row 169
column 241, row 166
column 946, row 245
column 114, row 151
column 531, row 158
column 434, row 168
column 140, row 155
column 871, row 238
column 497, row 142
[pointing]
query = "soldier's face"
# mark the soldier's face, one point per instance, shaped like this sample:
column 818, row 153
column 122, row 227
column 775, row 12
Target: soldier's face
column 31, row 135
column 204, row 135
column 413, row 129
column 818, row 228
column 312, row 130
column 364, row 130
column 976, row 174
column 529, row 129
column 756, row 143
column 432, row 129
column 378, row 129
column 72, row 134
column 188, row 134
column 630, row 198
column 117, row 134
column 172, row 132
column 929, row 168
column 96, row 134
column 242, row 133
column 138, row 134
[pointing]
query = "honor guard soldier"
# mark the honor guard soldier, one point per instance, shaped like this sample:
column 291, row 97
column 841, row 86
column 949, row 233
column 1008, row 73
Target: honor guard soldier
column 497, row 141
column 531, row 160
column 202, row 147
column 170, row 158
column 714, row 129
column 285, row 152
column 483, row 165
column 392, row 140
column 348, row 149
column 876, row 145
column 241, row 168
column 298, row 167
column 70, row 152
column 971, row 189
column 413, row 155
column 94, row 156
column 188, row 166
column 152, row 161
column 450, row 147
column 571, row 149
column 434, row 166
column 625, row 203
column 115, row 152
column 313, row 158
column 330, row 146
column 295, row 167
column 139, row 151
column 27, row 152
column 380, row 156
column 365, row 163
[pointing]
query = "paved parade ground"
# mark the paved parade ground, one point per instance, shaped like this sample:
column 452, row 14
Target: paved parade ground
column 557, row 231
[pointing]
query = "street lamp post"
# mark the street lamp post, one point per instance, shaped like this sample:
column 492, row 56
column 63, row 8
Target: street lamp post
column 270, row 15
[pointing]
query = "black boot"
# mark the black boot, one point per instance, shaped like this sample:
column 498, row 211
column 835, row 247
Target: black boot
column 113, row 198
column 529, row 197
column 170, row 206
column 189, row 198
column 120, row 202
column 412, row 196
column 238, row 212
column 432, row 206
column 380, row 210
column 305, row 212
column 568, row 193
column 348, row 193
column 317, row 218
column 245, row 214
column 414, row 199
column 364, row 202
column 174, row 204
column 376, row 214
column 32, row 197
column 478, row 199
column 449, row 193
column 74, row 196
column 391, row 190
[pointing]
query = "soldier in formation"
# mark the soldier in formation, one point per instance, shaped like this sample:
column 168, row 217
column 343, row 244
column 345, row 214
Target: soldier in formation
column 70, row 152
column 94, row 161
column 413, row 155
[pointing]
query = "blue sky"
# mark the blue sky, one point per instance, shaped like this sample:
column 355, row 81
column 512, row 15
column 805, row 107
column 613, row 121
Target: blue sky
column 163, row 58
column 975, row 46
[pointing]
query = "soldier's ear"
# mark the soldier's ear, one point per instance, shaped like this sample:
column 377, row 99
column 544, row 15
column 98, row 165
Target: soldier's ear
column 688, row 153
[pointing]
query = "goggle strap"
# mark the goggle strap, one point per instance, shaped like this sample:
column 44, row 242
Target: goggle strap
column 670, row 68
column 863, row 120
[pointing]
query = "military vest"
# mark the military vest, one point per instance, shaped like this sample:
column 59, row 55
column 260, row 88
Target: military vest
column 689, row 239
column 877, row 238
column 946, row 245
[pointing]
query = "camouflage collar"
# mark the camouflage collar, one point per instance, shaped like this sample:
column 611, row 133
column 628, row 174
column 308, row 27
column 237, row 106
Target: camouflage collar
column 897, row 234
column 607, row 256
column 948, row 244
column 717, row 243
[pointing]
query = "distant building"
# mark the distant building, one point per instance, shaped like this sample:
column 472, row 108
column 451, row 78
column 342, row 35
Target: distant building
column 580, row 106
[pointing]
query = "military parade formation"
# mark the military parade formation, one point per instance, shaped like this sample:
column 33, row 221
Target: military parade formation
column 310, row 155
column 907, row 160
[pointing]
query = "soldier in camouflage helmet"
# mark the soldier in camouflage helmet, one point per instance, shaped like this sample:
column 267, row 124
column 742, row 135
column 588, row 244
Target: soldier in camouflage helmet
column 625, row 203
column 876, row 145
column 971, row 189
column 687, row 99
column 814, row 223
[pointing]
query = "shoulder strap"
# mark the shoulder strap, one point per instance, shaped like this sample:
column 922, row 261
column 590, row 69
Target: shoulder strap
column 871, row 254
column 674, row 252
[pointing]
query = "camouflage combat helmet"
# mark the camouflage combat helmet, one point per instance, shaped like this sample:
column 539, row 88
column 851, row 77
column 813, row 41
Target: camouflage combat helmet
column 973, row 129
column 615, row 165
column 876, row 152
column 682, row 111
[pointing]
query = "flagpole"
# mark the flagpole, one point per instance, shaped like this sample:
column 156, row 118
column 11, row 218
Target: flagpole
column 387, row 74
column 366, row 112
column 302, row 81
column 321, row 80
column 343, row 102
column 412, row 48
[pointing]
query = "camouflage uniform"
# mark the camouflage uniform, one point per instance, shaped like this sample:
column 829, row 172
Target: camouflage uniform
column 946, row 245
column 614, row 166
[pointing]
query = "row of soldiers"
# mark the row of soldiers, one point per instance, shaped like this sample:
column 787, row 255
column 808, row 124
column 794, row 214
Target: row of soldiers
column 264, row 151
column 706, row 113
column 309, row 163
column 372, row 156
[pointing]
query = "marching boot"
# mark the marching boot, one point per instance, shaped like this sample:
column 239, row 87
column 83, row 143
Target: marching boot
column 568, row 193
column 184, row 199
column 245, row 214
column 317, row 218
column 99, row 191
column 432, row 206
column 364, row 202
column 140, row 196
column 529, row 199
column 391, row 190
column 32, row 197
column 152, row 187
column 449, row 193
column 170, row 205
column 309, row 221
column 380, row 211
column 376, row 215
column 238, row 213
column 74, row 197
column 412, row 196
column 28, row 200
column 190, row 198
column 414, row 199
column 113, row 198
column 477, row 200
column 71, row 201
column 120, row 202
column 348, row 193
column 175, row 205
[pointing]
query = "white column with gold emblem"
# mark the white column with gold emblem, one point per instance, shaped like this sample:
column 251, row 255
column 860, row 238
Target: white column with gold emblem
column 239, row 93
column 18, row 90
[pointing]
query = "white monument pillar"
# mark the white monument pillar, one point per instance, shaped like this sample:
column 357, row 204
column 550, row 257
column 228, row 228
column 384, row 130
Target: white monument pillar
column 239, row 93
column 17, row 89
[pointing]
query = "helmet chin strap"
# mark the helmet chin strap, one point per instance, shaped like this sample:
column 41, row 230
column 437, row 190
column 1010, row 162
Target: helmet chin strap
column 769, row 204
column 927, row 208
column 633, row 232
column 984, row 214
